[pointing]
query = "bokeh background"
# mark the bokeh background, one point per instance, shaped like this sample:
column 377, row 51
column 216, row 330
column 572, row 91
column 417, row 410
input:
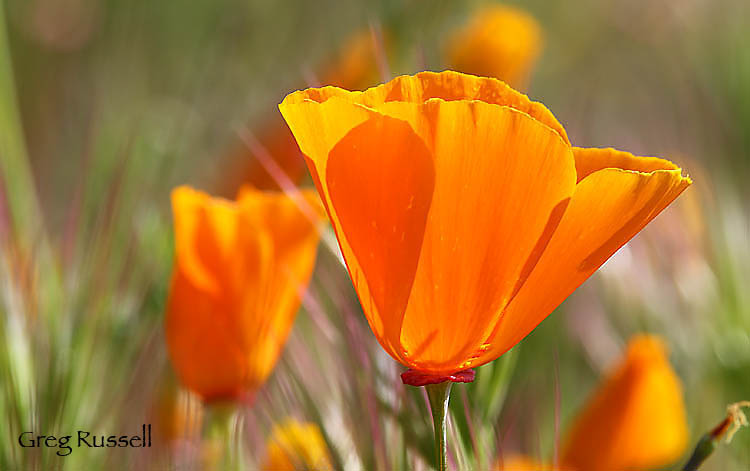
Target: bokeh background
column 106, row 105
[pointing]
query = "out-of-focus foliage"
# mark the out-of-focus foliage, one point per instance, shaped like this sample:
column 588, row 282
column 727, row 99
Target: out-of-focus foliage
column 106, row 105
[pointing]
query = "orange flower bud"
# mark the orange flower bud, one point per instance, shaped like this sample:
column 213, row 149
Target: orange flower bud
column 498, row 41
column 240, row 267
column 356, row 64
column 275, row 147
column 294, row 445
column 635, row 420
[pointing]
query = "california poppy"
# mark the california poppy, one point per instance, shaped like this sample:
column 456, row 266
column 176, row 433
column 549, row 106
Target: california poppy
column 240, row 268
column 297, row 445
column 355, row 65
column 275, row 150
column 463, row 213
column 634, row 420
column 498, row 41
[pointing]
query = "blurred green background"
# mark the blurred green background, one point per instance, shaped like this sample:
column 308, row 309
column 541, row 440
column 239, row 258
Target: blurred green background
column 106, row 105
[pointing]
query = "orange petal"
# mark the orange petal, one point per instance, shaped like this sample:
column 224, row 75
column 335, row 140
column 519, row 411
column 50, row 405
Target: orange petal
column 205, row 235
column 418, row 89
column 292, row 226
column 608, row 208
column 289, row 218
column 590, row 160
column 206, row 332
column 317, row 128
column 380, row 178
column 501, row 178
column 635, row 420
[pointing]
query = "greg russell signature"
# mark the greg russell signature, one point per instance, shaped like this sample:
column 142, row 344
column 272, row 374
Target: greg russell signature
column 84, row 438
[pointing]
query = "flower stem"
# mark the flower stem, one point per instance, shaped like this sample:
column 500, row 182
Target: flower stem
column 218, row 435
column 439, row 395
column 702, row 451
column 735, row 419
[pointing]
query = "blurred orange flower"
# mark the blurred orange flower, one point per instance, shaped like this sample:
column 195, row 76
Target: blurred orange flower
column 278, row 145
column 636, row 419
column 356, row 64
column 294, row 445
column 240, row 268
column 463, row 213
column 499, row 41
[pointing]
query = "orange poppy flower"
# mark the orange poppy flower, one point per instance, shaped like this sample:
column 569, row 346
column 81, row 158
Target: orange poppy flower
column 239, row 270
column 498, row 41
column 295, row 445
column 463, row 213
column 278, row 145
column 635, row 420
column 356, row 64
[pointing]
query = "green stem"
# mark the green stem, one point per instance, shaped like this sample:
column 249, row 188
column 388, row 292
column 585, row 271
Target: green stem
column 439, row 395
column 702, row 451
column 218, row 428
column 707, row 443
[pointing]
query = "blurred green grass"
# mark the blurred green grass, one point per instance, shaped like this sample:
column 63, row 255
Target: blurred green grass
column 106, row 105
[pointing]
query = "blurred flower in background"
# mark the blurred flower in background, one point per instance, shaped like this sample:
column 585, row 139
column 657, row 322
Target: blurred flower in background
column 296, row 445
column 500, row 41
column 63, row 25
column 359, row 62
column 241, row 268
column 270, row 159
column 266, row 161
column 635, row 419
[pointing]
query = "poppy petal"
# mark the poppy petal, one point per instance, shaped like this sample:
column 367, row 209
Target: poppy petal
column 292, row 226
column 380, row 179
column 590, row 160
column 205, row 235
column 425, row 86
column 197, row 322
column 480, row 235
column 608, row 208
